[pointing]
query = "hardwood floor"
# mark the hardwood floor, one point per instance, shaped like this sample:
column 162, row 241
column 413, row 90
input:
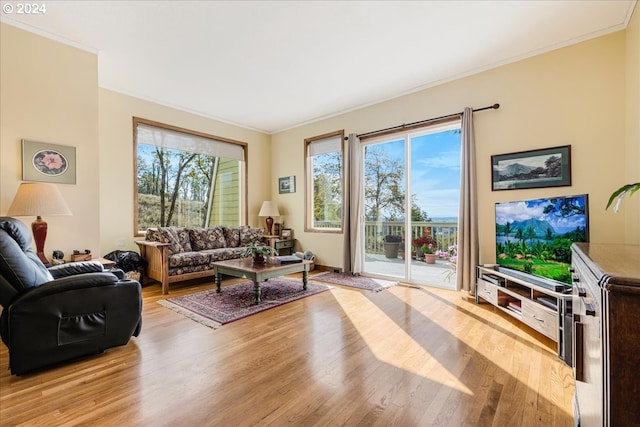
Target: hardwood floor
column 403, row 356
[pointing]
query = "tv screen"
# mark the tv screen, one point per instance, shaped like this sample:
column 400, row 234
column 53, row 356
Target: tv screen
column 535, row 236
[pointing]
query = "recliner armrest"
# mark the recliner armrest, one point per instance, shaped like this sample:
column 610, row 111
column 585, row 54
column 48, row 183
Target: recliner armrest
column 73, row 268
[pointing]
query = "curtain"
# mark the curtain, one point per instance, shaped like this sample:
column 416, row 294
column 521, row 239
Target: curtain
column 468, row 212
column 352, row 261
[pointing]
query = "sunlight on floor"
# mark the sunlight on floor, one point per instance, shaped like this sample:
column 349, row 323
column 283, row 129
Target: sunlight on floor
column 391, row 344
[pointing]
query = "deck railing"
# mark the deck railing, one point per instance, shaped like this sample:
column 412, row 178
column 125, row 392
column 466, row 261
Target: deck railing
column 444, row 233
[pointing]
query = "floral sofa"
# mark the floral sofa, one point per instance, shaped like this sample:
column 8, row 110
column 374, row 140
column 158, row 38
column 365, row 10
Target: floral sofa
column 175, row 254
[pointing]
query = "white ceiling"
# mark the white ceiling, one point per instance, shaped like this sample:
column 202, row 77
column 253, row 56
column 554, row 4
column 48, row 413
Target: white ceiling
column 270, row 66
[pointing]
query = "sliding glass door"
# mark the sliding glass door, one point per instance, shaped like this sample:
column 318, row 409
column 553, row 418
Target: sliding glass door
column 411, row 193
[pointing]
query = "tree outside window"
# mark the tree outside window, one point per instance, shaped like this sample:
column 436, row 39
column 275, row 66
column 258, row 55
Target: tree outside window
column 181, row 183
column 325, row 171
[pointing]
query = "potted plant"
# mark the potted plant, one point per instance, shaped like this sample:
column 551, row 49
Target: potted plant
column 429, row 251
column 258, row 252
column 391, row 245
column 419, row 242
column 621, row 193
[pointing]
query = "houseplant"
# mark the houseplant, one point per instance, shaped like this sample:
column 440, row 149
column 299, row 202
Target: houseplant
column 429, row 251
column 391, row 244
column 258, row 252
column 621, row 193
column 419, row 242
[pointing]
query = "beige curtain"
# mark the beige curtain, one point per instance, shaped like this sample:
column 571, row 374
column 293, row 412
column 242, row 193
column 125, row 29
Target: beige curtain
column 468, row 213
column 352, row 260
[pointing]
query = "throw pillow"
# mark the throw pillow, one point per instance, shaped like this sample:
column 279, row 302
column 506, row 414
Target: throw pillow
column 250, row 235
column 207, row 238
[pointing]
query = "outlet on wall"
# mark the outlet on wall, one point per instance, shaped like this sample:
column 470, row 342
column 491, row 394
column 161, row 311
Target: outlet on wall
column 120, row 243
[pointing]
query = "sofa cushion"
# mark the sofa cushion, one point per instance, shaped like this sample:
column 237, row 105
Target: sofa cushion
column 207, row 238
column 222, row 254
column 176, row 237
column 232, row 236
column 250, row 235
column 188, row 259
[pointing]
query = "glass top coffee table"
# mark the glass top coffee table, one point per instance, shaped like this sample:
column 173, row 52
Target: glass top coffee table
column 258, row 273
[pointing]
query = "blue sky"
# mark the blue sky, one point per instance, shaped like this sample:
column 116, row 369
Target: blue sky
column 524, row 210
column 435, row 166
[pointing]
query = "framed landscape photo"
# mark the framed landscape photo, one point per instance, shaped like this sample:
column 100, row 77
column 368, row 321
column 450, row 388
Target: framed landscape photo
column 287, row 184
column 46, row 162
column 287, row 233
column 548, row 167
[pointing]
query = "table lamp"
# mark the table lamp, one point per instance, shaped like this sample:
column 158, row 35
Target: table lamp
column 36, row 199
column 269, row 209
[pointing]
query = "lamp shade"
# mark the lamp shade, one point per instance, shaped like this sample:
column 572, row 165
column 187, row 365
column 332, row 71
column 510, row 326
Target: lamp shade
column 37, row 199
column 269, row 209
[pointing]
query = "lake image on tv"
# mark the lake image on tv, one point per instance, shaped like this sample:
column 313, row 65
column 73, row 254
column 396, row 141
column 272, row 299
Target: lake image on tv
column 535, row 236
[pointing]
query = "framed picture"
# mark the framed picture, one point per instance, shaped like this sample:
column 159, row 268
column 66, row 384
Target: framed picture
column 287, row 184
column 46, row 162
column 548, row 167
column 287, row 233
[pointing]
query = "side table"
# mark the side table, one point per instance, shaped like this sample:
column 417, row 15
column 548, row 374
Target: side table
column 282, row 244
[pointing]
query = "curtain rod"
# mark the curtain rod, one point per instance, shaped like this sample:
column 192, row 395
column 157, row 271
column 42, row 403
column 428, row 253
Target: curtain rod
column 422, row 122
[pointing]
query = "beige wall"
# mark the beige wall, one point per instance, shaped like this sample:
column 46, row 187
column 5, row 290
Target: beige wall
column 116, row 161
column 586, row 95
column 49, row 93
column 631, row 206
column 574, row 95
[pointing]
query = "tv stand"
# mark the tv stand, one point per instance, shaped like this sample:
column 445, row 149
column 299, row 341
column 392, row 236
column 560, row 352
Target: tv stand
column 520, row 296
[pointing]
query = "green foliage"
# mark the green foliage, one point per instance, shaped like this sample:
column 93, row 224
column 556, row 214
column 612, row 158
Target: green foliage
column 621, row 193
column 383, row 193
column 327, row 188
column 255, row 249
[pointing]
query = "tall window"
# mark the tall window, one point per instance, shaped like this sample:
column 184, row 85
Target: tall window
column 324, row 179
column 185, row 178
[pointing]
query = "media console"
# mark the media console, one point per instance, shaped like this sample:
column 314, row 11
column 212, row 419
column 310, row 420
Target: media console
column 545, row 307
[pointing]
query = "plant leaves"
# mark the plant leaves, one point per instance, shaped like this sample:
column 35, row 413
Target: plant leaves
column 621, row 193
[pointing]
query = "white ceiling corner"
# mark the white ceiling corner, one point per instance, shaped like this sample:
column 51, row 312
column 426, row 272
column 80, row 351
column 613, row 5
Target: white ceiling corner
column 274, row 65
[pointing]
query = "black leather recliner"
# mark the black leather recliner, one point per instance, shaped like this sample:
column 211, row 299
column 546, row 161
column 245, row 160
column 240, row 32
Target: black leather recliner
column 61, row 313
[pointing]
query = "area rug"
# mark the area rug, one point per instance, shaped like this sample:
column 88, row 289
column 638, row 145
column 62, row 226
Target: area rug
column 360, row 282
column 237, row 301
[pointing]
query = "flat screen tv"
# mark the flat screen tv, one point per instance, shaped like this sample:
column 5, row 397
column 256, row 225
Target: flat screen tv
column 535, row 236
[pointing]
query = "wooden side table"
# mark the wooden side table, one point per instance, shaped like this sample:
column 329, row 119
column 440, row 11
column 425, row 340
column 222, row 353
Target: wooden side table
column 282, row 244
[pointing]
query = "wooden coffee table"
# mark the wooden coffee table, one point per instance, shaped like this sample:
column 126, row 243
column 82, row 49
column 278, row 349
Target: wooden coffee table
column 258, row 273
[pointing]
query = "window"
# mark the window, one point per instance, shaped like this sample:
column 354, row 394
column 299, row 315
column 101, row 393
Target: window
column 324, row 175
column 185, row 178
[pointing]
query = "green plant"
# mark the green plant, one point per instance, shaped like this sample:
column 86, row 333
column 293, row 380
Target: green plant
column 429, row 248
column 253, row 249
column 621, row 193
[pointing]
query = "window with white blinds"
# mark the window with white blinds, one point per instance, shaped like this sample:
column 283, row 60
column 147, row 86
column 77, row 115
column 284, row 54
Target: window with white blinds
column 186, row 178
column 324, row 179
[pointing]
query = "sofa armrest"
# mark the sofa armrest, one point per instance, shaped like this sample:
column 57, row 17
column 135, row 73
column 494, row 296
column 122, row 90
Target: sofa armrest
column 156, row 255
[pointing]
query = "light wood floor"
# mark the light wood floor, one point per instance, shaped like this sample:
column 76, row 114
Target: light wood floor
column 403, row 356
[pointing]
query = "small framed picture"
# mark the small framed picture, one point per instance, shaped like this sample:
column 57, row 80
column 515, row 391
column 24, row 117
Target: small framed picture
column 287, row 184
column 45, row 162
column 548, row 167
column 287, row 233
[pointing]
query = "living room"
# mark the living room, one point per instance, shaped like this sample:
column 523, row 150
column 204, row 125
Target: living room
column 586, row 95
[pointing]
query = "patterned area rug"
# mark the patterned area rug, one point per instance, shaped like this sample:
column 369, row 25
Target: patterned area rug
column 360, row 282
column 237, row 301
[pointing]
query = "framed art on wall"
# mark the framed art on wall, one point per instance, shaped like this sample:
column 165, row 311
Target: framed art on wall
column 46, row 162
column 287, row 184
column 548, row 167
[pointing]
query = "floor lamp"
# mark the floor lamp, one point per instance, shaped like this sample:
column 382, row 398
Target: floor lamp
column 269, row 209
column 36, row 199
